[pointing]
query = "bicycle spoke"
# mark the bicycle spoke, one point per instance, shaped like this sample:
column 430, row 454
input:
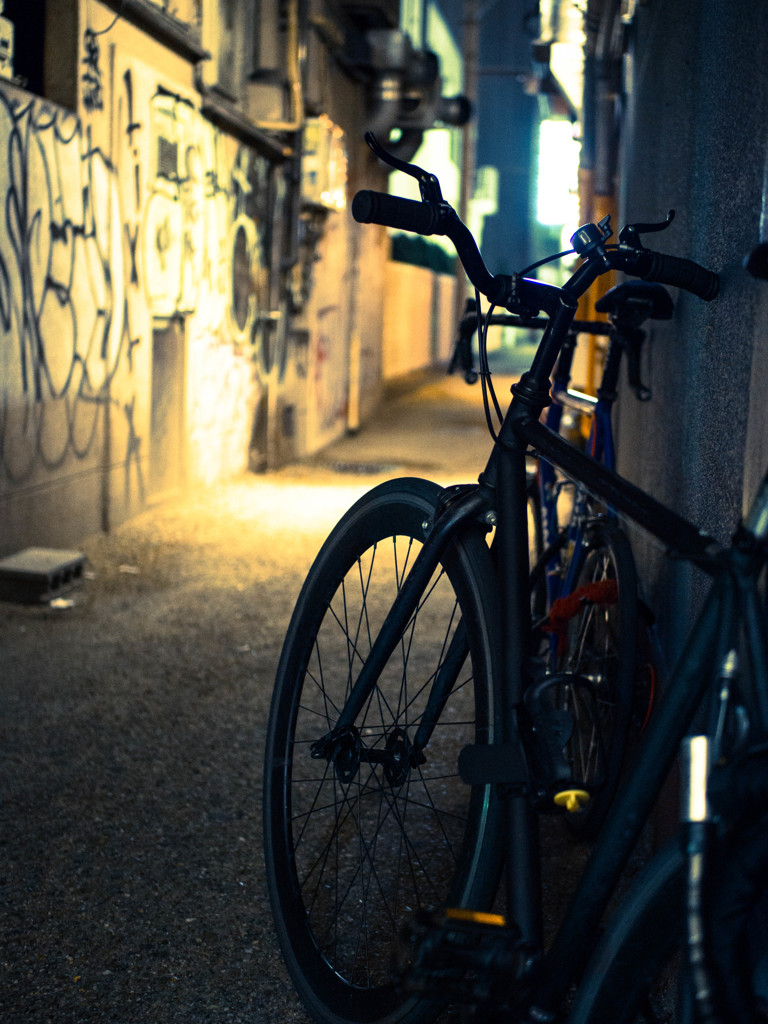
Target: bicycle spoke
column 375, row 827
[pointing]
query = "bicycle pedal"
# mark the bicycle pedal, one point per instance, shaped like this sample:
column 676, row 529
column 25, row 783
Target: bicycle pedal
column 462, row 956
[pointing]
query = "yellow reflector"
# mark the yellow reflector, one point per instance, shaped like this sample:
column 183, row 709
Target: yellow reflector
column 572, row 799
column 475, row 916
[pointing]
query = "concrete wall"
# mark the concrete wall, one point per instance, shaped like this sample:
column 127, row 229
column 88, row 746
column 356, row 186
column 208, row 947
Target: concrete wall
column 419, row 324
column 695, row 138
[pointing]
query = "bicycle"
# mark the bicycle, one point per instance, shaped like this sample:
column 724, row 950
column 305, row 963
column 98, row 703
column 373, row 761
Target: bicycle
column 387, row 792
column 584, row 585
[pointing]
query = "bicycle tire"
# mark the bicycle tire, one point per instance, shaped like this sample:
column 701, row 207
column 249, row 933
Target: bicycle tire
column 347, row 861
column 639, row 970
column 599, row 643
column 634, row 966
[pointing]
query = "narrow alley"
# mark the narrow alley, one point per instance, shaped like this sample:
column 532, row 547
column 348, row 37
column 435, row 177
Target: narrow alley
column 132, row 728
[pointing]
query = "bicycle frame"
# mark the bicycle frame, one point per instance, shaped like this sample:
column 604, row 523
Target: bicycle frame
column 732, row 601
column 500, row 497
column 733, row 595
column 518, row 768
column 599, row 408
column 600, row 443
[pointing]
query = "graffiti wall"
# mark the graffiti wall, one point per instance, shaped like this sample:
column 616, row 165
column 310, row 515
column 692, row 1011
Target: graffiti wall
column 328, row 394
column 205, row 226
column 66, row 329
column 112, row 228
column 176, row 307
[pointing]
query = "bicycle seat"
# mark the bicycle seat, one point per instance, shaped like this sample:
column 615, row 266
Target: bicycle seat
column 637, row 301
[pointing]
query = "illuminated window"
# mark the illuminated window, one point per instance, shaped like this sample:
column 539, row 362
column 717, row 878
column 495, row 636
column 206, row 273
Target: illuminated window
column 557, row 200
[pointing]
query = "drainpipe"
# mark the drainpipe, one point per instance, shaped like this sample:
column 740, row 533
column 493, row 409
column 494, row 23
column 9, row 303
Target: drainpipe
column 608, row 50
column 296, row 49
column 296, row 46
column 602, row 58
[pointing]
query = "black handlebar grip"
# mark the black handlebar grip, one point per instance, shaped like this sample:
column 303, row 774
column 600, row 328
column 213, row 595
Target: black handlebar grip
column 682, row 273
column 393, row 212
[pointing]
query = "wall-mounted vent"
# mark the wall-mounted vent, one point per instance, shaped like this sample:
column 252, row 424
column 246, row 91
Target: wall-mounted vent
column 167, row 158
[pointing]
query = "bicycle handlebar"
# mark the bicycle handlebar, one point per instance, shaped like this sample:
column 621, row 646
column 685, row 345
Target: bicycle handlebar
column 433, row 219
column 393, row 212
column 675, row 271
column 427, row 218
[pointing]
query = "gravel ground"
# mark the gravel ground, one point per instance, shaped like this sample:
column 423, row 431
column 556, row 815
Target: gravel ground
column 132, row 729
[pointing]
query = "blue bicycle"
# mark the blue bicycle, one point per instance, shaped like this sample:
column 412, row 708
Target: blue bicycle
column 594, row 635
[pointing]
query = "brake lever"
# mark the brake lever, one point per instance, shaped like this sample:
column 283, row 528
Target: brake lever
column 630, row 233
column 429, row 186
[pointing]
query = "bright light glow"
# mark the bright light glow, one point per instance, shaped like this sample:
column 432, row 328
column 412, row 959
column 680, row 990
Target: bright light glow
column 557, row 200
column 437, row 152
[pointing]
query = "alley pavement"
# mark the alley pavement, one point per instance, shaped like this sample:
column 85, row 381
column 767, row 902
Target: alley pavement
column 132, row 723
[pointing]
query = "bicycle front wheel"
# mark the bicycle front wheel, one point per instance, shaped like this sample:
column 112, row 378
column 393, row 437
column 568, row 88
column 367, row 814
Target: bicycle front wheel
column 360, row 838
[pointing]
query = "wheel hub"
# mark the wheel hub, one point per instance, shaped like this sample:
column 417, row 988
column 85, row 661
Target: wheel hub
column 347, row 752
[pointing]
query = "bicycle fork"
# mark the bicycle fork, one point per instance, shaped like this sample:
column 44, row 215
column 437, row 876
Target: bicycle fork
column 470, row 504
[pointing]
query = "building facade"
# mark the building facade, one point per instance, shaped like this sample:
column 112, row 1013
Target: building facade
column 179, row 271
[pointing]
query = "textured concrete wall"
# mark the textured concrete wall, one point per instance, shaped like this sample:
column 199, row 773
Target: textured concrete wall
column 419, row 330
column 695, row 138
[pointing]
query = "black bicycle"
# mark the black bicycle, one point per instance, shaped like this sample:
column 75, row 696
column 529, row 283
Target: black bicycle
column 413, row 741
